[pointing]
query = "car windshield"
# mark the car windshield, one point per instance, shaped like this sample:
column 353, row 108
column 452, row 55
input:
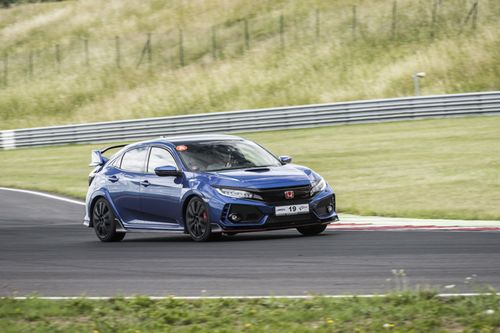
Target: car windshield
column 224, row 155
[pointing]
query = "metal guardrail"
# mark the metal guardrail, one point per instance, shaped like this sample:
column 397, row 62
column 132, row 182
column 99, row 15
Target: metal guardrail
column 486, row 103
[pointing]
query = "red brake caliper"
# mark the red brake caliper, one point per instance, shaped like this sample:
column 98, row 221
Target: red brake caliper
column 205, row 216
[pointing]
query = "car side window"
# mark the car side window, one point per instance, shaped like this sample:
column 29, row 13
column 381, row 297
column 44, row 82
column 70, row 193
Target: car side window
column 116, row 162
column 159, row 157
column 134, row 160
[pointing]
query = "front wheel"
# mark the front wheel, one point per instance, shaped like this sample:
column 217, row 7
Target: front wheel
column 104, row 222
column 197, row 221
column 312, row 230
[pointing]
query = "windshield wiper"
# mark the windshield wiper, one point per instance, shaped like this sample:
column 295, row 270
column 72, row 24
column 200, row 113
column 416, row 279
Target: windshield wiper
column 233, row 168
column 243, row 167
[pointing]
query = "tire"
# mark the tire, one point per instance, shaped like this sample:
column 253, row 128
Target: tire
column 103, row 219
column 312, row 230
column 197, row 221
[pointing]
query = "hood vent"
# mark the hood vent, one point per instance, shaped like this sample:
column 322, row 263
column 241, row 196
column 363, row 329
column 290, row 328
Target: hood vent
column 258, row 170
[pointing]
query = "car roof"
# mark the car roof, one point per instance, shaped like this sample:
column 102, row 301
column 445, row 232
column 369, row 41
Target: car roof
column 179, row 139
column 200, row 138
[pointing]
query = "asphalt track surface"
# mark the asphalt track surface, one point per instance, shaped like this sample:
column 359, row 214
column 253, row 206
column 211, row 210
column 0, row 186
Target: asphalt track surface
column 45, row 250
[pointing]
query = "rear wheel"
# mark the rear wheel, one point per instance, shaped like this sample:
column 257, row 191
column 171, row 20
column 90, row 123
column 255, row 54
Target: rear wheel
column 104, row 222
column 312, row 230
column 197, row 221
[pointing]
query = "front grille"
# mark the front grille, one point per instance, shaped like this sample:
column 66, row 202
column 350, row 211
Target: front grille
column 276, row 196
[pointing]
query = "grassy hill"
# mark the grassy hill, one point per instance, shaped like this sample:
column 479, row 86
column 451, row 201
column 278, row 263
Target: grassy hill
column 94, row 60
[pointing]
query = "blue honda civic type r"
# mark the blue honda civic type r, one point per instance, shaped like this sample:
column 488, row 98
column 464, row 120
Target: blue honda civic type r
column 204, row 186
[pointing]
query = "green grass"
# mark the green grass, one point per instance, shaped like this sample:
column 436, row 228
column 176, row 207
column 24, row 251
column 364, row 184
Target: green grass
column 443, row 168
column 326, row 65
column 409, row 312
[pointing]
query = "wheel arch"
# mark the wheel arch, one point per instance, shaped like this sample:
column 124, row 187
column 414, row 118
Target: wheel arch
column 91, row 208
column 185, row 203
column 105, row 196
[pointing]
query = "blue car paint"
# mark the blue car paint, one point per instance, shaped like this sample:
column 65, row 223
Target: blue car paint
column 159, row 205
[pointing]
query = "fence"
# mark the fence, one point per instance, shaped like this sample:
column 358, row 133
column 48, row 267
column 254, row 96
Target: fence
column 486, row 103
column 176, row 47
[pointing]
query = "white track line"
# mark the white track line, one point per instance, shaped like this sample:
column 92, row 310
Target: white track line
column 346, row 219
column 41, row 194
column 62, row 298
column 395, row 227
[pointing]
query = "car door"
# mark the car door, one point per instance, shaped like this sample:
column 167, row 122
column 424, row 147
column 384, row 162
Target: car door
column 160, row 196
column 123, row 183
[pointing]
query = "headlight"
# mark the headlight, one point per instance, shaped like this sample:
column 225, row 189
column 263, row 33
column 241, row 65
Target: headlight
column 239, row 194
column 318, row 186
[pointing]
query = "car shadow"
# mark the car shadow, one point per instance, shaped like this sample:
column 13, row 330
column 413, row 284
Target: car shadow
column 244, row 237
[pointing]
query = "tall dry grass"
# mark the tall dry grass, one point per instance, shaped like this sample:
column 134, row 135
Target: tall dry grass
column 310, row 63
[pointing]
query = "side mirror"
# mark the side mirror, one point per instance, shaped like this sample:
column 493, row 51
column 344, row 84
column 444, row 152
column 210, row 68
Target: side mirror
column 167, row 170
column 285, row 159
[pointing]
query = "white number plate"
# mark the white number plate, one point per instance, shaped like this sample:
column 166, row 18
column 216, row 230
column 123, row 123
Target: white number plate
column 292, row 210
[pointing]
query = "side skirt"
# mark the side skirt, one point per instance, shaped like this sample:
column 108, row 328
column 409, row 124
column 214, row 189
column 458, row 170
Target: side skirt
column 119, row 226
column 159, row 228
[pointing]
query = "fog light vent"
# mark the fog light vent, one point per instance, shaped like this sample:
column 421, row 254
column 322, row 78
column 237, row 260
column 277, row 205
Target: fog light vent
column 244, row 214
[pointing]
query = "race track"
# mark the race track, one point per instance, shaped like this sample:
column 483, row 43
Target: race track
column 45, row 249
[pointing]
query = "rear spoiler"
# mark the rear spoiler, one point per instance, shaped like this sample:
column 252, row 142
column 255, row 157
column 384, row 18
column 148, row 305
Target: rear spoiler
column 97, row 158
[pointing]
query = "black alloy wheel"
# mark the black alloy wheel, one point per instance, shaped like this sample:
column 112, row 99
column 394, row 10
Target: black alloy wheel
column 312, row 230
column 198, row 222
column 103, row 219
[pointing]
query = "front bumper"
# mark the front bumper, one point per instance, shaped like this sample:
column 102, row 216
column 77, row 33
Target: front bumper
column 258, row 216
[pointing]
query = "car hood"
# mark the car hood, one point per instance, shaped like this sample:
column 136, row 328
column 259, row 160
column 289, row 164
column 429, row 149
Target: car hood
column 262, row 178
